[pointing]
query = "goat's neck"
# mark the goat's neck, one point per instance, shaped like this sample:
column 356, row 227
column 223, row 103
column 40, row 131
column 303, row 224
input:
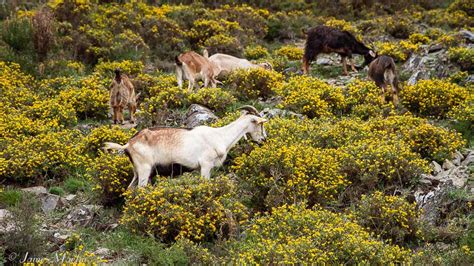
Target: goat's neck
column 233, row 132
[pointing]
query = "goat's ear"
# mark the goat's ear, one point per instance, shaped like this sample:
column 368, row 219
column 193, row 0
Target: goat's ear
column 372, row 53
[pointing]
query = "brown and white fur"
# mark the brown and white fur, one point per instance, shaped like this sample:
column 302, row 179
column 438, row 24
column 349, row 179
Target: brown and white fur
column 202, row 147
column 383, row 72
column 193, row 67
column 122, row 94
column 225, row 63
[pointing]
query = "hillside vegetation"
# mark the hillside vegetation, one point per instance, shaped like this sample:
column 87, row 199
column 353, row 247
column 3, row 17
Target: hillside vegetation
column 344, row 177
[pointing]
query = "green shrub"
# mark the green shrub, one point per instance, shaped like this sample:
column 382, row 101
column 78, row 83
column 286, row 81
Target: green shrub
column 73, row 185
column 254, row 83
column 390, row 217
column 187, row 207
column 293, row 234
column 10, row 197
column 128, row 67
column 17, row 33
column 57, row 191
column 399, row 27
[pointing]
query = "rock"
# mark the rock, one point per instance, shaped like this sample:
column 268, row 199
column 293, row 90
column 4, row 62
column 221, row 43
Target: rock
column 60, row 238
column 276, row 112
column 49, row 202
column 458, row 157
column 5, row 226
column 436, row 167
column 415, row 77
column 103, row 252
column 447, row 164
column 70, row 197
column 468, row 35
column 470, row 79
column 435, row 48
column 324, row 61
column 469, row 160
column 35, row 190
column 431, row 202
column 198, row 115
column 82, row 215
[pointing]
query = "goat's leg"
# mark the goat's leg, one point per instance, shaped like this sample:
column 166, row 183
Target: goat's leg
column 132, row 108
column 206, row 170
column 344, row 64
column 382, row 98
column 305, row 65
column 144, row 172
column 114, row 115
column 120, row 114
column 351, row 60
column 134, row 180
column 179, row 77
column 395, row 99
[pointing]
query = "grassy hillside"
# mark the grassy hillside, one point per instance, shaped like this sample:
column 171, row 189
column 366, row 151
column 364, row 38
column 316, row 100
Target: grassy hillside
column 344, row 176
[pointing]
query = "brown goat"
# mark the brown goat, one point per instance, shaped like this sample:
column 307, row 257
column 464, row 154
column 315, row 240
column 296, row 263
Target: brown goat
column 324, row 39
column 122, row 94
column 383, row 72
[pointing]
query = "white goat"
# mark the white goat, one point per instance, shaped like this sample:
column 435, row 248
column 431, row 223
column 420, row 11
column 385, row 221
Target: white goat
column 201, row 147
column 224, row 64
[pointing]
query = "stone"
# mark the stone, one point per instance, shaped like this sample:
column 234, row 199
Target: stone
column 35, row 190
column 457, row 158
column 447, row 164
column 324, row 61
column 469, row 160
column 103, row 252
column 415, row 77
column 49, row 202
column 468, row 35
column 199, row 115
column 82, row 215
column 435, row 48
column 5, row 227
column 60, row 238
column 436, row 167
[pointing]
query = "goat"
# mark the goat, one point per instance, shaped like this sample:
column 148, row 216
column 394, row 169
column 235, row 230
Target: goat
column 324, row 39
column 226, row 63
column 122, row 94
column 200, row 147
column 194, row 66
column 383, row 72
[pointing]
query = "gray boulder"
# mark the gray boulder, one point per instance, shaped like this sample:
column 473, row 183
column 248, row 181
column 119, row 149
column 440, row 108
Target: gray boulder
column 199, row 115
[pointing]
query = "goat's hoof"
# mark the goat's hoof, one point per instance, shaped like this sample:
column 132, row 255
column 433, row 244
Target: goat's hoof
column 115, row 122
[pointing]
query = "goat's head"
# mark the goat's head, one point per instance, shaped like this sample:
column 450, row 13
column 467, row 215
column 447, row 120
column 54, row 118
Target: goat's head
column 369, row 57
column 266, row 65
column 255, row 129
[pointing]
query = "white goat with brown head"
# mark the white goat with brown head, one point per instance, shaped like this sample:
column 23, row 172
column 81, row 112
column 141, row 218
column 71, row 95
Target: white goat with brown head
column 201, row 147
column 122, row 94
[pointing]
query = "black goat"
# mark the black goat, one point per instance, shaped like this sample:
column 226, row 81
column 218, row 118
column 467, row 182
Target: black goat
column 324, row 39
column 382, row 71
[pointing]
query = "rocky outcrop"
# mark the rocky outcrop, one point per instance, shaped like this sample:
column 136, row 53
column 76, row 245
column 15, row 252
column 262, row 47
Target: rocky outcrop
column 198, row 115
column 432, row 194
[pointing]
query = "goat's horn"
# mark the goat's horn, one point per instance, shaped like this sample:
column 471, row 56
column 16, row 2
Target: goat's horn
column 250, row 109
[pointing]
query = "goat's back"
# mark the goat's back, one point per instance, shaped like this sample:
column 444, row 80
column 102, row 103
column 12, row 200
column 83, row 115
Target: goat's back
column 228, row 63
column 382, row 70
column 194, row 61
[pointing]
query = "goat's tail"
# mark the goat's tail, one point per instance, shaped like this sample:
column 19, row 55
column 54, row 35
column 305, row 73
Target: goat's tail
column 114, row 146
column 205, row 53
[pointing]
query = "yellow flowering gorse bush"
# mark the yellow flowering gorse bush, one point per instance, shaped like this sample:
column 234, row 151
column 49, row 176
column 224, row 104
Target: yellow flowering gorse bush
column 254, row 83
column 187, row 207
column 391, row 217
column 294, row 234
column 289, row 51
